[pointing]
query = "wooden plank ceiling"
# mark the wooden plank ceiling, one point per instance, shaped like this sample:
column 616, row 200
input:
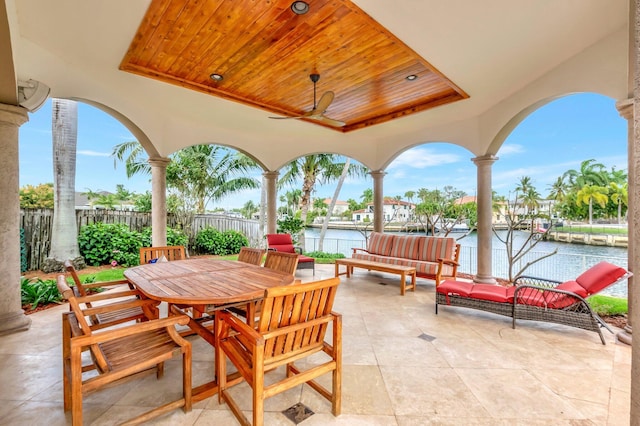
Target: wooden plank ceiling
column 265, row 54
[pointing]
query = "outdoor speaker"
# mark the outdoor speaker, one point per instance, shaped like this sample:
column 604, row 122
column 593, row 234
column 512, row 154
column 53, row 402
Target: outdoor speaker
column 32, row 94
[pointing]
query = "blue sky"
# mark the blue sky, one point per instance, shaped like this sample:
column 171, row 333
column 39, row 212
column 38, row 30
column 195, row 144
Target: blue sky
column 553, row 139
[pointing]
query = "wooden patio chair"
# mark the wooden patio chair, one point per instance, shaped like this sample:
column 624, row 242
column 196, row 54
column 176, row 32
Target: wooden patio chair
column 281, row 261
column 118, row 354
column 117, row 298
column 278, row 261
column 251, row 255
column 292, row 326
column 151, row 254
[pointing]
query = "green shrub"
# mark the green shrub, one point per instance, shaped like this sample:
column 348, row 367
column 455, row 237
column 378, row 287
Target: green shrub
column 36, row 292
column 322, row 257
column 103, row 243
column 211, row 241
column 234, row 241
column 175, row 237
column 290, row 225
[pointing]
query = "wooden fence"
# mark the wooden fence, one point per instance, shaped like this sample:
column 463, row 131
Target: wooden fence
column 37, row 224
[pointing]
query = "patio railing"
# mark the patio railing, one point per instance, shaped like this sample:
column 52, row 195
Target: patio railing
column 561, row 266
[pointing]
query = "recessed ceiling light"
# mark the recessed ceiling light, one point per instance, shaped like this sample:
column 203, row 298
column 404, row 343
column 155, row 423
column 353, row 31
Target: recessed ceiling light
column 216, row 77
column 300, row 7
column 411, row 77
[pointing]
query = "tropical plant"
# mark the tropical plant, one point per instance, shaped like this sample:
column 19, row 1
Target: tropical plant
column 198, row 174
column 64, row 234
column 312, row 169
column 102, row 243
column 590, row 194
column 37, row 197
column 590, row 173
column 249, row 209
column 518, row 248
column 210, row 240
column 618, row 194
column 35, row 292
column 291, row 225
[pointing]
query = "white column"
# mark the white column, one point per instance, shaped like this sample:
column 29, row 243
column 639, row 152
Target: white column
column 12, row 317
column 378, row 200
column 485, row 212
column 271, row 179
column 625, row 108
column 159, row 201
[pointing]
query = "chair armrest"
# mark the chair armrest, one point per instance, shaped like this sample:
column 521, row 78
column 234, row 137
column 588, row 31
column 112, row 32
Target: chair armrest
column 117, row 333
column 298, row 250
column 97, row 297
column 535, row 282
column 119, row 306
column 449, row 262
column 106, row 284
column 240, row 327
column 357, row 249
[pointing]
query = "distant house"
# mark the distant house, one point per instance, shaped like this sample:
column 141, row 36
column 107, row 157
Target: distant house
column 393, row 210
column 82, row 202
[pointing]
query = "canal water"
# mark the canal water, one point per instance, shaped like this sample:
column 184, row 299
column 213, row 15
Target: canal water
column 569, row 262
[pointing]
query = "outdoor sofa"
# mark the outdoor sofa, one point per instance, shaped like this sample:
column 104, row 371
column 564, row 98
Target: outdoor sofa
column 538, row 299
column 434, row 258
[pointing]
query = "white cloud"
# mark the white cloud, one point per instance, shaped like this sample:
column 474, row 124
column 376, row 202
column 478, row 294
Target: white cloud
column 90, row 153
column 509, row 149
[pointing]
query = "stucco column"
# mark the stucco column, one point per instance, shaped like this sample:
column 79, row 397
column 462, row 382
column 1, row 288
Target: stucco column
column 271, row 179
column 378, row 200
column 159, row 201
column 633, row 211
column 625, row 108
column 12, row 317
column 484, row 273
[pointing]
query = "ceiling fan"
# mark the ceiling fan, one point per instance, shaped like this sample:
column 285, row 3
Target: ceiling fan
column 317, row 113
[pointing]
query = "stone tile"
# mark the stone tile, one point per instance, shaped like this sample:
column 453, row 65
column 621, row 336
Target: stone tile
column 407, row 351
column 508, row 394
column 429, row 392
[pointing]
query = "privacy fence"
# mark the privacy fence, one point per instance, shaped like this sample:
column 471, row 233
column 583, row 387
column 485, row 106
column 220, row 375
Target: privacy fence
column 37, row 224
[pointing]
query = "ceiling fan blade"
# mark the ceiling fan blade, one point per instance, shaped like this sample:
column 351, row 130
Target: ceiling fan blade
column 331, row 121
column 324, row 102
column 305, row 115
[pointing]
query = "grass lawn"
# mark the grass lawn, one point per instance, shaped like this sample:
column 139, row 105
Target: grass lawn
column 608, row 305
column 593, row 229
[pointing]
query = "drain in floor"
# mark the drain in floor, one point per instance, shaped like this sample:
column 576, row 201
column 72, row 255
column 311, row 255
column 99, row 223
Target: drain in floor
column 298, row 412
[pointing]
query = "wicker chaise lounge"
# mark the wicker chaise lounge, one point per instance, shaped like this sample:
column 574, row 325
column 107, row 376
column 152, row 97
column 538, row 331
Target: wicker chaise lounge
column 538, row 299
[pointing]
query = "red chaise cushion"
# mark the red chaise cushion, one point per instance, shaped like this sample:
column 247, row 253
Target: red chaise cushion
column 600, row 276
column 457, row 288
column 493, row 293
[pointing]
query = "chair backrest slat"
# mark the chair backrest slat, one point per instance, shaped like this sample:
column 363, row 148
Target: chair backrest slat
column 169, row 252
column 283, row 262
column 251, row 255
column 300, row 313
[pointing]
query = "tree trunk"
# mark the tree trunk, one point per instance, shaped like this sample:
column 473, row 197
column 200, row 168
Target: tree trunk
column 305, row 200
column 64, row 235
column 590, row 211
column 336, row 194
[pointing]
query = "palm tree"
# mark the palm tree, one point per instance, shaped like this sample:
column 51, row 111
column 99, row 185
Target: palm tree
column 619, row 195
column 531, row 199
column 312, row 169
column 200, row 173
column 590, row 173
column 524, row 185
column 249, row 209
column 558, row 190
column 590, row 193
column 134, row 157
column 409, row 195
column 64, row 234
column 367, row 196
column 91, row 196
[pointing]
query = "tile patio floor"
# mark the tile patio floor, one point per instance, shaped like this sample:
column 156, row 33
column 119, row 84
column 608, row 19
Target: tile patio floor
column 402, row 365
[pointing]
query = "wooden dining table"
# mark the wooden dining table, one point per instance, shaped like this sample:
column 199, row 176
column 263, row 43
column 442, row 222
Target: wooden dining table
column 206, row 285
